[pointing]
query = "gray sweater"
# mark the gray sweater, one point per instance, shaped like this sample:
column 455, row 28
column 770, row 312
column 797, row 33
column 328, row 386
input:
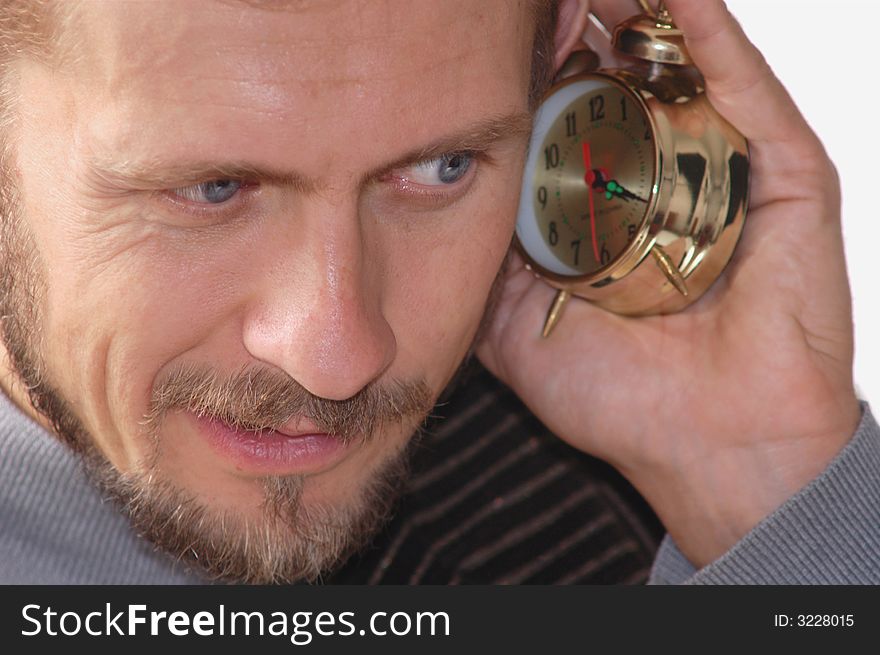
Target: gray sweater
column 55, row 528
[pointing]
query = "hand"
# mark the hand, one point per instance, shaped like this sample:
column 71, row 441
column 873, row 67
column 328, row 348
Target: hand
column 720, row 413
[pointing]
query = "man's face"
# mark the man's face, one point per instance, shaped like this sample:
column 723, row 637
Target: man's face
column 263, row 241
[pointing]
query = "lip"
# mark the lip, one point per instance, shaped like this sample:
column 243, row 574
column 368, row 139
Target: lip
column 290, row 450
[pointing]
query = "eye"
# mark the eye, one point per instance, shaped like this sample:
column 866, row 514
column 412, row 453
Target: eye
column 444, row 170
column 213, row 192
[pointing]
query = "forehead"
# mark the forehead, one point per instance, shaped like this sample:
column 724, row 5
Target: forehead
column 274, row 76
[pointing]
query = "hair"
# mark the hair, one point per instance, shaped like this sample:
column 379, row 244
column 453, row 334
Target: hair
column 545, row 14
column 27, row 26
column 28, row 29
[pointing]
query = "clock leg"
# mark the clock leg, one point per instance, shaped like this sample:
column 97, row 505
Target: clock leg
column 553, row 316
column 670, row 270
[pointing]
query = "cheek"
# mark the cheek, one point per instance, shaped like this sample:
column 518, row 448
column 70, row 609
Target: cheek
column 120, row 305
column 442, row 279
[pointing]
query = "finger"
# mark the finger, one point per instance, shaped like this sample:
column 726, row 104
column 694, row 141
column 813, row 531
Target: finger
column 739, row 82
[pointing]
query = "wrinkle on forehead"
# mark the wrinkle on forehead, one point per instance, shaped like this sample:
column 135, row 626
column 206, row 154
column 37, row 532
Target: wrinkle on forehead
column 284, row 5
column 149, row 35
column 154, row 41
column 223, row 77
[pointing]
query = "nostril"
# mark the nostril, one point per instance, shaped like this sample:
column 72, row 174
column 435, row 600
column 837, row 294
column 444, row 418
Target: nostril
column 334, row 349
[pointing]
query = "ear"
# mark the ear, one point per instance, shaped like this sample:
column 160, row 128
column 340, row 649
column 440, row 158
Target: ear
column 570, row 28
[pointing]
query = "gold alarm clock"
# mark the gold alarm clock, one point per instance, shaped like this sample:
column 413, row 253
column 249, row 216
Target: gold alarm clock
column 635, row 189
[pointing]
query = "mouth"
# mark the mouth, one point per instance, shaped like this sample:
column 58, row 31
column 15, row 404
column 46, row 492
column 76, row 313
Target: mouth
column 295, row 448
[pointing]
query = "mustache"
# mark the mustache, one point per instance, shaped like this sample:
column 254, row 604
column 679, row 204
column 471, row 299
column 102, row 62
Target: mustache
column 259, row 398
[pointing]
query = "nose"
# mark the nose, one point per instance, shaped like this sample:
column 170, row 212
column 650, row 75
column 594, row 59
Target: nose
column 318, row 315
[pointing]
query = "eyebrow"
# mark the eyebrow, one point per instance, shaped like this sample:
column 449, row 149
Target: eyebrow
column 480, row 138
column 151, row 175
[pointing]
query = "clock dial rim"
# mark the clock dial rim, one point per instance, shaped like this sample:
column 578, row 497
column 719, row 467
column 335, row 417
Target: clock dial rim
column 528, row 221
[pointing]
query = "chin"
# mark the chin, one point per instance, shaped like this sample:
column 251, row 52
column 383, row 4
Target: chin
column 239, row 527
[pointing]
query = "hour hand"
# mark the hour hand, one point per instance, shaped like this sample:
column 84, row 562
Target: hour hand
column 614, row 190
column 598, row 179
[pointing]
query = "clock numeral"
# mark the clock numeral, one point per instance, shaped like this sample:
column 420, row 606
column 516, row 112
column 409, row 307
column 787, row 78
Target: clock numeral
column 604, row 255
column 553, row 236
column 647, row 131
column 570, row 124
column 551, row 155
column 631, row 231
column 542, row 197
column 576, row 246
column 597, row 108
column 623, row 108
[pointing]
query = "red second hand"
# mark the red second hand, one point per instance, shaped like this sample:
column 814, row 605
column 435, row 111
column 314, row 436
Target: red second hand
column 589, row 178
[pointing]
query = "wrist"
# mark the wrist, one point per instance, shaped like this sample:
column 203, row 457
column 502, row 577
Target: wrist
column 709, row 501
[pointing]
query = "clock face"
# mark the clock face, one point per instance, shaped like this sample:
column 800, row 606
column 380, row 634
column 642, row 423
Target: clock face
column 589, row 178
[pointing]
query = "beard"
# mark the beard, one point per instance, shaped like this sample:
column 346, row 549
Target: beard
column 285, row 541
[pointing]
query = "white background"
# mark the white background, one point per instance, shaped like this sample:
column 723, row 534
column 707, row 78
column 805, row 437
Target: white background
column 828, row 56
